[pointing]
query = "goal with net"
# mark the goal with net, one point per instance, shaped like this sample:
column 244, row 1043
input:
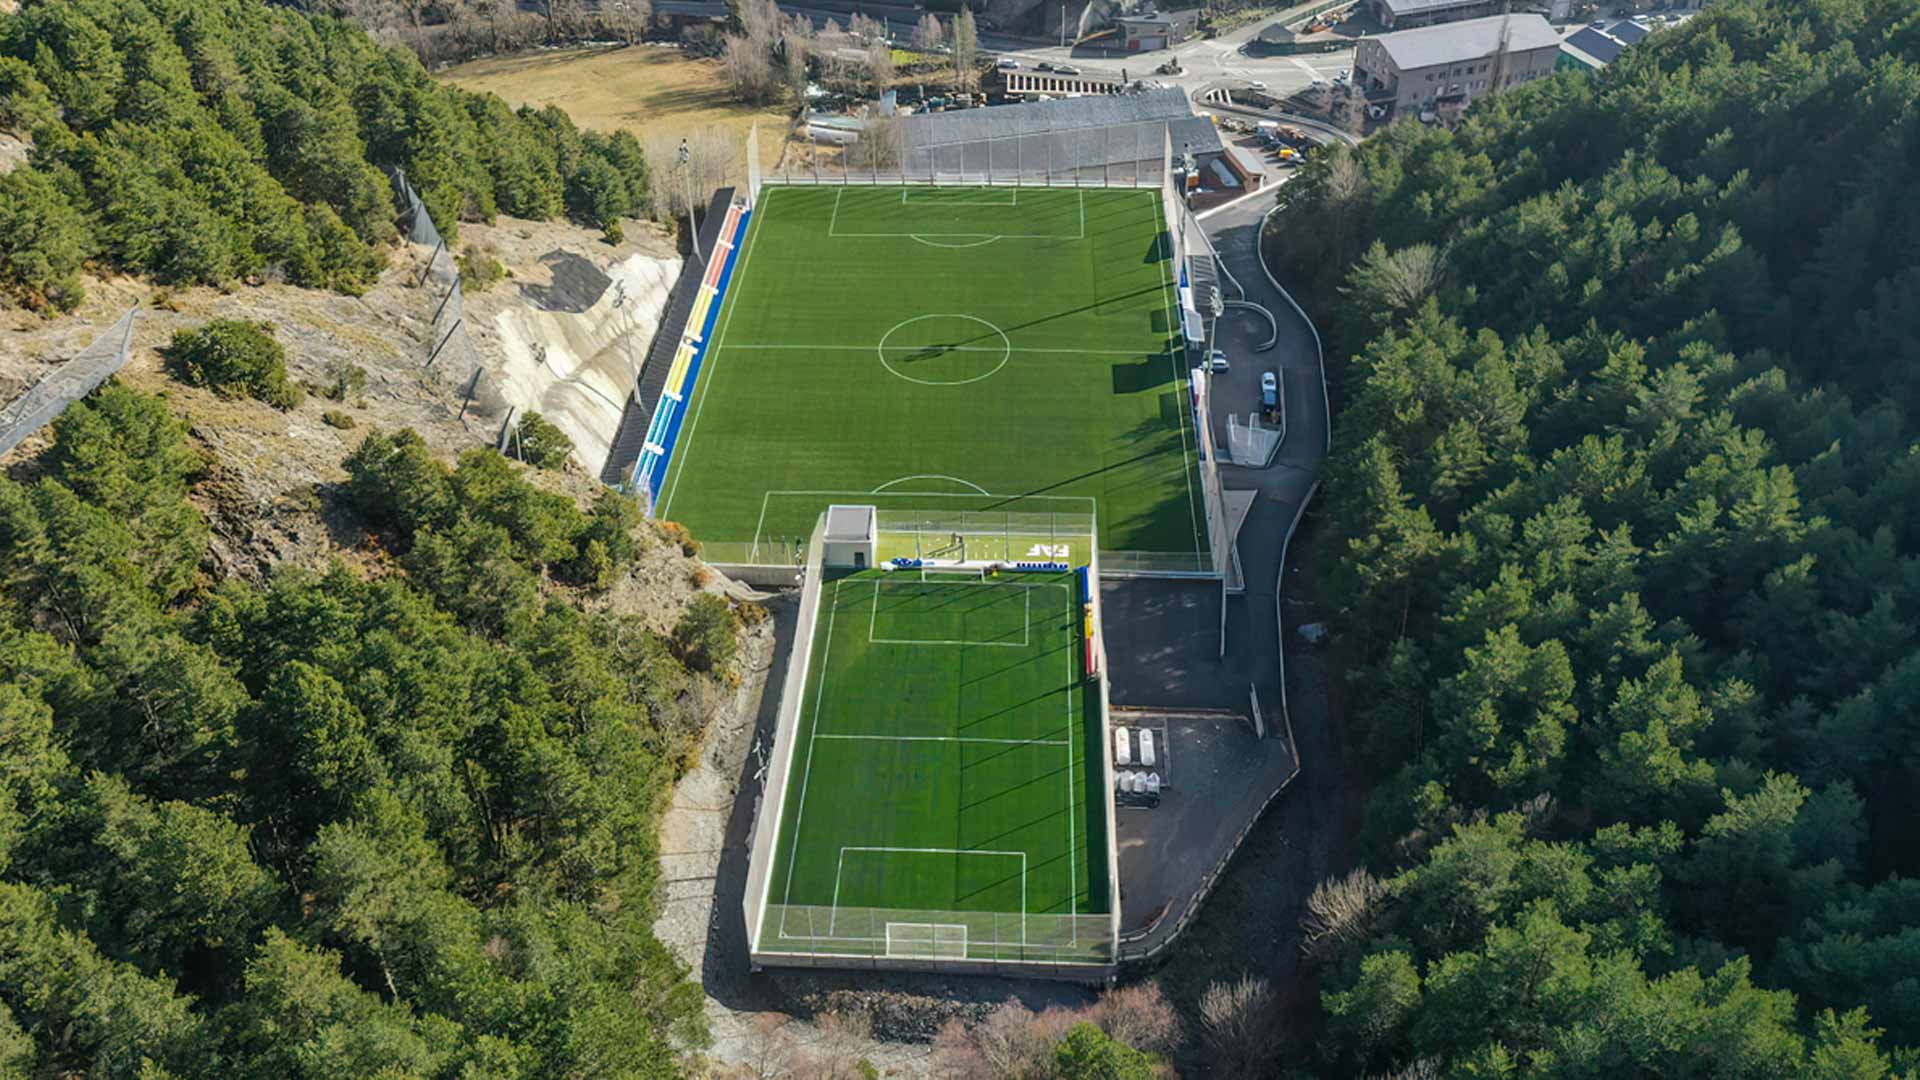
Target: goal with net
column 937, row 940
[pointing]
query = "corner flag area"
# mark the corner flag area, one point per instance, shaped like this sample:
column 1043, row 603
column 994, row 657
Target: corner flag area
column 965, row 349
column 939, row 803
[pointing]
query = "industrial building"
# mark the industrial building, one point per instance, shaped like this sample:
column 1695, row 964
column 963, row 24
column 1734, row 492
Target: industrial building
column 1154, row 30
column 1436, row 71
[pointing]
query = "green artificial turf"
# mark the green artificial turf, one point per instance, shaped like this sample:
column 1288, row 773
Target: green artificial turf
column 935, row 344
column 940, row 773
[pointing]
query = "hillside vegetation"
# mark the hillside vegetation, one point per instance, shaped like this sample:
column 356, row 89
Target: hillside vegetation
column 1628, row 565
column 218, row 141
column 338, row 823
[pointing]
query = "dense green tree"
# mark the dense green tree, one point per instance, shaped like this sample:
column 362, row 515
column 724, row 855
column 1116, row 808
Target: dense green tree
column 1620, row 557
column 235, row 358
column 541, row 443
column 329, row 824
column 43, row 241
column 227, row 140
column 706, row 632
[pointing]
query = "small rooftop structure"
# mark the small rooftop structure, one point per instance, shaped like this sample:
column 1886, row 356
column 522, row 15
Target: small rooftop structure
column 851, row 538
column 1431, row 46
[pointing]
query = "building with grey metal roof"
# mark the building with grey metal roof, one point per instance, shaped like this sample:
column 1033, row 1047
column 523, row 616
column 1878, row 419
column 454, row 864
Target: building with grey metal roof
column 1437, row 68
column 1407, row 14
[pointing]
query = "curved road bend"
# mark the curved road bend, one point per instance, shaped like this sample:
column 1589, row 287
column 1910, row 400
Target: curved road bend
column 1298, row 843
column 1165, row 635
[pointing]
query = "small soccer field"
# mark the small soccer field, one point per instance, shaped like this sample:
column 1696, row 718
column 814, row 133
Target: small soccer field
column 940, row 803
column 972, row 349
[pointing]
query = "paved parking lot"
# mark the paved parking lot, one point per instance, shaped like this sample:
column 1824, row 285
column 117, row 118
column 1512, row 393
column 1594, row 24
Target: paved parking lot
column 1216, row 776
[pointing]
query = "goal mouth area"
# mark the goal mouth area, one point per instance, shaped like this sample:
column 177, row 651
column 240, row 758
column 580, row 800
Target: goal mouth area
column 927, row 941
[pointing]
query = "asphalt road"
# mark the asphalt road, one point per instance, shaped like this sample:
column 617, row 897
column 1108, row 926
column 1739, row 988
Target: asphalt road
column 1222, row 61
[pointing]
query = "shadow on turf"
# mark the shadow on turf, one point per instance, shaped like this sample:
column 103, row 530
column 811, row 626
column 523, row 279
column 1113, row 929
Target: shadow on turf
column 1140, row 376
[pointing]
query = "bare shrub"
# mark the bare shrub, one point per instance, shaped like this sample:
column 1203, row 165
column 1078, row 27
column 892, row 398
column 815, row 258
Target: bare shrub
column 1235, row 1025
column 1339, row 911
column 879, row 147
column 749, row 70
column 709, row 167
column 769, row 1050
column 1423, row 1069
column 1139, row 1016
column 837, row 1054
column 928, row 34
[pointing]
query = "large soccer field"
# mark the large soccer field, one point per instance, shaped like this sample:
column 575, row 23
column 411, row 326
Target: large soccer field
column 950, row 347
column 939, row 802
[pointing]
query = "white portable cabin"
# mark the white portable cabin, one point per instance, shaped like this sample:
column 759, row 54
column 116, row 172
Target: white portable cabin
column 1122, row 749
column 852, row 537
column 1146, row 747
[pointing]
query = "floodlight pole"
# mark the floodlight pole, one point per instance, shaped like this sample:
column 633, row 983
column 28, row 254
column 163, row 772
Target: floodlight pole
column 693, row 225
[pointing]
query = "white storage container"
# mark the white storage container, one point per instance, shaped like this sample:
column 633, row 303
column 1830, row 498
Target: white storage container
column 1122, row 748
column 1146, row 748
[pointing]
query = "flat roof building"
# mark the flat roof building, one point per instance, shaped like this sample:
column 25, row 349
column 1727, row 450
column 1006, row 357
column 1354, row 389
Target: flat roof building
column 1438, row 70
column 1155, row 30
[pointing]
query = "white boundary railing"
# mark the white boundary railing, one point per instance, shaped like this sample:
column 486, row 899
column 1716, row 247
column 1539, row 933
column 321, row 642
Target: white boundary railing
column 766, row 826
column 1030, row 958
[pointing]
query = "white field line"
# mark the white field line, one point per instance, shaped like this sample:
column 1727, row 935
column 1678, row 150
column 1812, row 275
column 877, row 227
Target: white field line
column 933, row 938
column 1013, row 198
column 1186, row 400
column 1026, row 625
column 949, row 348
column 841, row 864
column 833, row 225
column 786, row 897
column 1073, row 850
column 711, row 363
column 882, row 737
column 929, row 476
column 1093, row 506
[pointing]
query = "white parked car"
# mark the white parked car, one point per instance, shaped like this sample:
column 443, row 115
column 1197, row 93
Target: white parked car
column 1009, row 64
column 1217, row 361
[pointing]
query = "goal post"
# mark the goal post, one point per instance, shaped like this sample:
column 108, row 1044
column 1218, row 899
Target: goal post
column 939, row 941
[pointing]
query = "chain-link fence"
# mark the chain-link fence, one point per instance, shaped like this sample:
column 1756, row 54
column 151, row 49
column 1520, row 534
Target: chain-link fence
column 1252, row 443
column 928, row 937
column 786, row 732
column 1113, row 155
column 450, row 360
column 69, row 383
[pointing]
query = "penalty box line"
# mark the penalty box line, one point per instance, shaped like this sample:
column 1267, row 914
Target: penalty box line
column 1026, row 620
column 840, row 866
column 1092, row 504
column 834, row 232
column 1013, row 198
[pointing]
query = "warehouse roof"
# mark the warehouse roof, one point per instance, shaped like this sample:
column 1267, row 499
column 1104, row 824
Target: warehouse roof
column 1430, row 46
column 1597, row 45
column 1411, row 7
column 1629, row 32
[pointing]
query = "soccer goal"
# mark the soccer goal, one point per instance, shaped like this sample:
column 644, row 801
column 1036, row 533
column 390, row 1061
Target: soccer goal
column 944, row 941
column 953, row 573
